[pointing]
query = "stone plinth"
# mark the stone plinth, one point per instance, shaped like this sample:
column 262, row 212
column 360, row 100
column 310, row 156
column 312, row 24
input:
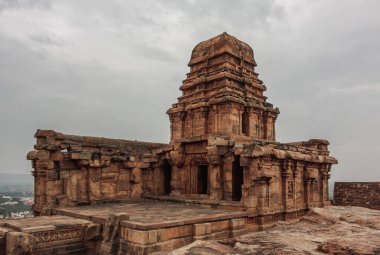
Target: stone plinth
column 49, row 235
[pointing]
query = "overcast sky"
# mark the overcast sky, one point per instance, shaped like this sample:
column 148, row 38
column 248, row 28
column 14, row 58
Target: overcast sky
column 113, row 68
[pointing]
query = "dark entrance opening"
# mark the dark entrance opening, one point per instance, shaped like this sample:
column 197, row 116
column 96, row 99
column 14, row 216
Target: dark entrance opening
column 202, row 179
column 167, row 177
column 237, row 179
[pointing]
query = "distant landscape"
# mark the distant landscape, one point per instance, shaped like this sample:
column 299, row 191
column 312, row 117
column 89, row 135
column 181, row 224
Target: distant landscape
column 16, row 195
column 8, row 178
column 16, row 182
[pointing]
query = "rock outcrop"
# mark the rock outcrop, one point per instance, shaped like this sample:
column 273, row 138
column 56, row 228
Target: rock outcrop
column 330, row 230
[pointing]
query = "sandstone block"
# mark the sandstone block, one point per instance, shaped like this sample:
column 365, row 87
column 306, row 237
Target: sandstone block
column 142, row 237
column 18, row 243
column 107, row 188
column 48, row 133
column 3, row 231
column 136, row 175
column 174, row 232
column 136, row 190
column 202, row 229
column 57, row 156
column 38, row 154
column 236, row 223
column 75, row 147
column 118, row 158
column 44, row 164
column 112, row 168
column 93, row 230
column 31, row 155
column 123, row 183
column 95, row 163
column 53, row 188
column 83, row 162
column 129, row 164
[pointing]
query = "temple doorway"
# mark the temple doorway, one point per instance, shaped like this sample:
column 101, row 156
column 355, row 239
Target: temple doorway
column 202, row 179
column 237, row 179
column 167, row 177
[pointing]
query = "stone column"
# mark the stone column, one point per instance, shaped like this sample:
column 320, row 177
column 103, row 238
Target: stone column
column 250, row 176
column 324, row 190
column 227, row 178
column 308, row 193
column 265, row 126
column 183, row 123
column 252, row 123
column 136, row 180
column 246, row 182
column 205, row 116
column 216, row 119
column 295, row 176
column 158, row 181
column 285, row 174
column 274, row 127
column 215, row 182
column 263, row 194
column 176, row 182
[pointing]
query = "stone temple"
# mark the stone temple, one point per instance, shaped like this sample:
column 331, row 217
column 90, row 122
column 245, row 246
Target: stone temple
column 222, row 174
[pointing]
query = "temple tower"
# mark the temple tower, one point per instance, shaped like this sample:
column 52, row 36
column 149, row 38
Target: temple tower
column 222, row 95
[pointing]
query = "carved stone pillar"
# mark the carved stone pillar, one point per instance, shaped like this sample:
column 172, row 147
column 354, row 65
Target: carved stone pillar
column 246, row 182
column 265, row 126
column 176, row 181
column 324, row 190
column 263, row 185
column 205, row 117
column 295, row 177
column 251, row 120
column 158, row 181
column 215, row 119
column 286, row 175
column 245, row 163
column 171, row 119
column 227, row 178
column 274, row 127
column 215, row 183
column 183, row 123
column 250, row 174
column 308, row 193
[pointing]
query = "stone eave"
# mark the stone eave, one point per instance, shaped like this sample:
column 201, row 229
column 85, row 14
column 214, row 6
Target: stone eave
column 194, row 61
column 252, row 81
column 271, row 151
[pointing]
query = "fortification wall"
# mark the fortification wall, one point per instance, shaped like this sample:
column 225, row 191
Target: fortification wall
column 364, row 194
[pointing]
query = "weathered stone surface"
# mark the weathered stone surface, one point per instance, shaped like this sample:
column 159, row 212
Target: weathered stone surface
column 322, row 231
column 365, row 194
column 136, row 190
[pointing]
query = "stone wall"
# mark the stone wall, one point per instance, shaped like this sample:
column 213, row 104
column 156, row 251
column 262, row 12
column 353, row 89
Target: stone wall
column 71, row 170
column 364, row 194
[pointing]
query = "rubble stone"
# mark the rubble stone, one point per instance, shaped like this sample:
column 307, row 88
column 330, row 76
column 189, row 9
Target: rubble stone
column 365, row 194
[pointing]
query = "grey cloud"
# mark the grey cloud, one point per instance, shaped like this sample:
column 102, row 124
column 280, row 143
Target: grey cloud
column 121, row 67
column 156, row 53
column 46, row 39
column 24, row 4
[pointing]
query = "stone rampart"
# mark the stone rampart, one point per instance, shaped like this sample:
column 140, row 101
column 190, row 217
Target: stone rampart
column 364, row 194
